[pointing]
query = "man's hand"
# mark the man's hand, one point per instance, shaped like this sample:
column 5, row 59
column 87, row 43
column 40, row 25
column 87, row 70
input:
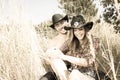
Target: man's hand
column 54, row 53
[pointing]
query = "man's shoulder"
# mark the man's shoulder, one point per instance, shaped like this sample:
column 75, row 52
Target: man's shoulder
column 54, row 39
column 57, row 41
column 52, row 42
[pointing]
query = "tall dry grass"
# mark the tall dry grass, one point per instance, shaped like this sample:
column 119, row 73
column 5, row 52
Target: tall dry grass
column 109, row 55
column 20, row 53
column 20, row 50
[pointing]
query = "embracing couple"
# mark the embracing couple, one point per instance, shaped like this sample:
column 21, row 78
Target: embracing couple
column 71, row 54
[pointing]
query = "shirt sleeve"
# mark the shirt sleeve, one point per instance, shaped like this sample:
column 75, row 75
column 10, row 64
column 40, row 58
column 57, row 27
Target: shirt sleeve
column 90, row 59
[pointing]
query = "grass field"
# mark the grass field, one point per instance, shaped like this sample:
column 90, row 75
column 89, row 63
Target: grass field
column 22, row 50
column 22, row 47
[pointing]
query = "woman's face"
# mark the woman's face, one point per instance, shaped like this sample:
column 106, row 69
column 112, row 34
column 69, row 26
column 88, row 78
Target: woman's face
column 59, row 26
column 79, row 33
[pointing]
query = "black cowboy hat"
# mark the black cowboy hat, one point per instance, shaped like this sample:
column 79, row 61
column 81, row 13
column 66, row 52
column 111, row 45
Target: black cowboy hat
column 78, row 21
column 56, row 18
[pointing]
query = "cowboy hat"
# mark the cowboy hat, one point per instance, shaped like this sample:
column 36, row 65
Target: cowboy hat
column 56, row 18
column 78, row 21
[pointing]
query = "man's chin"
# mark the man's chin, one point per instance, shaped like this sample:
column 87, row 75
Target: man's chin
column 64, row 32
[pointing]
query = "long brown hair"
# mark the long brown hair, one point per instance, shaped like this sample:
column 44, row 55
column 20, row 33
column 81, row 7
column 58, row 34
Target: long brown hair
column 74, row 43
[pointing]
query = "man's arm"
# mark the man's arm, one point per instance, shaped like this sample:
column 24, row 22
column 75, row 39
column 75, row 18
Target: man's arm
column 75, row 60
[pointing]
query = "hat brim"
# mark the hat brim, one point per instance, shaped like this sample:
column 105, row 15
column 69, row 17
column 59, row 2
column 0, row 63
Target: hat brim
column 64, row 18
column 87, row 26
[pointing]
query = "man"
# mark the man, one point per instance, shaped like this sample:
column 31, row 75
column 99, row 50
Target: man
column 58, row 23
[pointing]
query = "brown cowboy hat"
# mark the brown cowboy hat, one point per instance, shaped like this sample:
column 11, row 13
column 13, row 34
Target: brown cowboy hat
column 56, row 18
column 78, row 21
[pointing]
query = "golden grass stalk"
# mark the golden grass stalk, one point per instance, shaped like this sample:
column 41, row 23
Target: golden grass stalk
column 20, row 53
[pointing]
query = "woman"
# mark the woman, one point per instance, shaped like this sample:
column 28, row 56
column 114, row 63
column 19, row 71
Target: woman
column 79, row 50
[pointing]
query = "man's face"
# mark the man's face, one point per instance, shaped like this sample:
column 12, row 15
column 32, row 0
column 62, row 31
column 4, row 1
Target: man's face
column 59, row 26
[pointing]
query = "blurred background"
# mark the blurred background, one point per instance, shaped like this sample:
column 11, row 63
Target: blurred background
column 25, row 32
